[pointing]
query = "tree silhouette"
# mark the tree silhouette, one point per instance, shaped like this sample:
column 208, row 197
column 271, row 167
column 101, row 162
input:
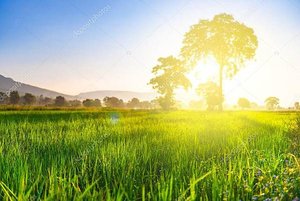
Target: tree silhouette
column 113, row 102
column 60, row 101
column 230, row 42
column 133, row 103
column 45, row 101
column 88, row 103
column 244, row 103
column 297, row 106
column 3, row 98
column 210, row 91
column 97, row 103
column 272, row 103
column 14, row 97
column 29, row 99
column 169, row 75
column 74, row 103
column 91, row 103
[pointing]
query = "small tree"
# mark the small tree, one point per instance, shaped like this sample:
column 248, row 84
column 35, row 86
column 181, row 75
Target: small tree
column 169, row 75
column 44, row 100
column 272, row 103
column 60, row 101
column 74, row 103
column 210, row 91
column 91, row 103
column 14, row 97
column 297, row 106
column 3, row 98
column 29, row 99
column 88, row 103
column 48, row 101
column 113, row 102
column 133, row 103
column 244, row 103
column 97, row 103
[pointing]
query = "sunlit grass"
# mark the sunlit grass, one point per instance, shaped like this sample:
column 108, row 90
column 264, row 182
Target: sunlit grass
column 148, row 155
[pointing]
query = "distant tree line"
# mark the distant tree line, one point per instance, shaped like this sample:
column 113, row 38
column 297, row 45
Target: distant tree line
column 28, row 99
column 208, row 90
column 211, row 100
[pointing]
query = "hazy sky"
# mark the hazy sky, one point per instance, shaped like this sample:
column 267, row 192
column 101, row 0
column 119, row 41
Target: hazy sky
column 75, row 46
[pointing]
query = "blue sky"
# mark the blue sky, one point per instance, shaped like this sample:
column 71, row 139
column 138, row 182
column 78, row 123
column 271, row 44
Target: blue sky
column 117, row 48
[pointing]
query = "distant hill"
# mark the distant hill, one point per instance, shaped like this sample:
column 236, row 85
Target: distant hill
column 8, row 84
column 125, row 95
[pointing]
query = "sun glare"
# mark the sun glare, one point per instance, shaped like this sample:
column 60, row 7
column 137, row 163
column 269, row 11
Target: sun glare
column 203, row 72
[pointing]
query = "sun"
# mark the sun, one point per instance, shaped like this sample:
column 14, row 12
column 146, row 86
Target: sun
column 207, row 70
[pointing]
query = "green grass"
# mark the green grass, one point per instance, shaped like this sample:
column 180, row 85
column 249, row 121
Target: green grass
column 148, row 155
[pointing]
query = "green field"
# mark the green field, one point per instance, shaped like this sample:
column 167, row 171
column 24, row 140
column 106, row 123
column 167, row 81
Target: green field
column 149, row 155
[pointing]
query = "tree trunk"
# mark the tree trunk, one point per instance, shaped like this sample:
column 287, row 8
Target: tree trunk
column 221, row 88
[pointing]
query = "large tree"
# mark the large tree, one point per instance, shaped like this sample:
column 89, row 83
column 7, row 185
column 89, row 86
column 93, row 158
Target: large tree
column 230, row 42
column 169, row 75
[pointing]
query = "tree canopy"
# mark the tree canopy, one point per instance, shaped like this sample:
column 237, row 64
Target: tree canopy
column 244, row 103
column 14, row 97
column 169, row 75
column 230, row 42
column 272, row 102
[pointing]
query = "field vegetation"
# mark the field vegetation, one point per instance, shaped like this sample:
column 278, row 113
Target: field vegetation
column 149, row 155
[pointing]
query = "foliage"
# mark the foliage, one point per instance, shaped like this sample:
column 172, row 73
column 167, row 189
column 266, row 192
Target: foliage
column 169, row 75
column 74, row 103
column 29, row 99
column 210, row 91
column 272, row 103
column 146, row 105
column 3, row 98
column 113, row 102
column 60, row 101
column 230, row 42
column 297, row 106
column 45, row 100
column 244, row 103
column 91, row 103
column 133, row 103
column 14, row 97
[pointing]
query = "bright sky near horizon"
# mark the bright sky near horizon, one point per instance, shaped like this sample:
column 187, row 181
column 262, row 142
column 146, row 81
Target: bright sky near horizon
column 76, row 46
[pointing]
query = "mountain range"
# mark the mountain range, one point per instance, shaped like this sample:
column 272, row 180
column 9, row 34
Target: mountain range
column 8, row 84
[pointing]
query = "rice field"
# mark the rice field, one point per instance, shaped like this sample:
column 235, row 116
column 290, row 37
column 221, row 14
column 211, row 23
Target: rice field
column 149, row 155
